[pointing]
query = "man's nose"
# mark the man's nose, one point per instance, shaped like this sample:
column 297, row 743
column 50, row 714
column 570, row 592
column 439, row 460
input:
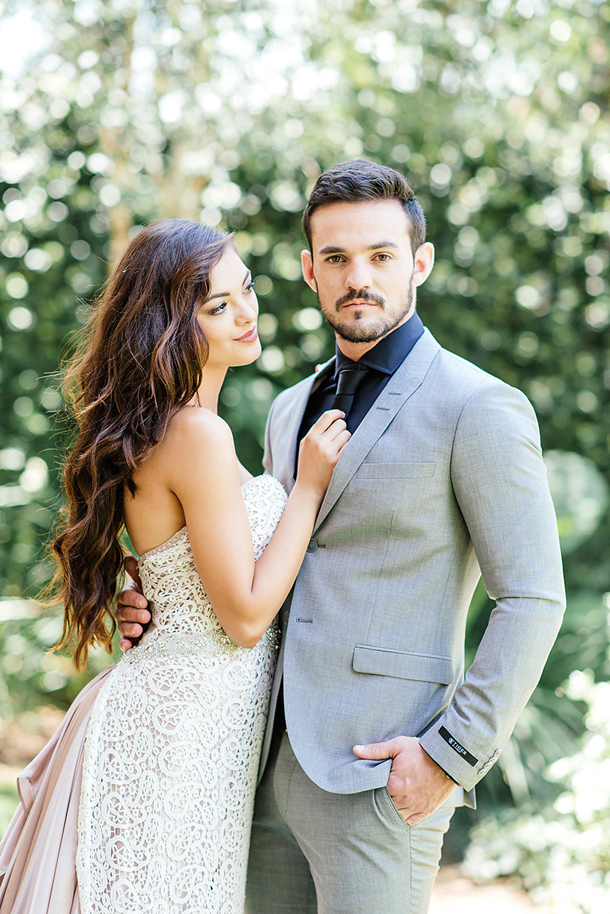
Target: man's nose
column 358, row 276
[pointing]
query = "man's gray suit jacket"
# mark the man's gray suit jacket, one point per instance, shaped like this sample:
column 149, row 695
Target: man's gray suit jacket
column 442, row 481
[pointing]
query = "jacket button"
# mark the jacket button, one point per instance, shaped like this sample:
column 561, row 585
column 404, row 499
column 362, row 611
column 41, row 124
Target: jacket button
column 312, row 545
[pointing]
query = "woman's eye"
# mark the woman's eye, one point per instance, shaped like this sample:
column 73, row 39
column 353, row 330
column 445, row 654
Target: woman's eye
column 219, row 308
column 250, row 286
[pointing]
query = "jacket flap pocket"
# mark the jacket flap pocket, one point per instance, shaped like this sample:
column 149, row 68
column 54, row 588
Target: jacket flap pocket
column 403, row 664
column 396, row 470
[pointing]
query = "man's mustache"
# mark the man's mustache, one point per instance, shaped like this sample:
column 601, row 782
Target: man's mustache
column 360, row 295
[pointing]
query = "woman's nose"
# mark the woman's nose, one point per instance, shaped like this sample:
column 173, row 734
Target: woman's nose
column 248, row 312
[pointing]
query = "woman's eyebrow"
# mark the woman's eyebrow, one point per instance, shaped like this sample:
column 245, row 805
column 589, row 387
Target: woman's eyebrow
column 226, row 294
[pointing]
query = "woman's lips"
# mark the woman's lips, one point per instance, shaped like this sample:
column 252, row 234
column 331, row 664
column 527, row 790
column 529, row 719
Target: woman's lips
column 248, row 337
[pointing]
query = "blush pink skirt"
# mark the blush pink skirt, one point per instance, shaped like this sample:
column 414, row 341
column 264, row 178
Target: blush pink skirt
column 38, row 851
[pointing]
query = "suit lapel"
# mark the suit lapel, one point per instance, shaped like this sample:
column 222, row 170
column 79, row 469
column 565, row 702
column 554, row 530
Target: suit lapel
column 405, row 381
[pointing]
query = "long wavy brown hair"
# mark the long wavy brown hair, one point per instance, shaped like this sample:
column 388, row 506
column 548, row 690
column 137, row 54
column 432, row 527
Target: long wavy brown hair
column 141, row 359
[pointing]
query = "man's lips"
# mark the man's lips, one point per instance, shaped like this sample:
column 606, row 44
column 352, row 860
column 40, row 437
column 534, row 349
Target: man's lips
column 248, row 337
column 352, row 301
column 360, row 304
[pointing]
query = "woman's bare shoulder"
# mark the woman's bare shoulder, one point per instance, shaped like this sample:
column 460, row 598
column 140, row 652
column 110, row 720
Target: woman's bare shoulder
column 196, row 426
column 198, row 456
column 193, row 435
column 197, row 443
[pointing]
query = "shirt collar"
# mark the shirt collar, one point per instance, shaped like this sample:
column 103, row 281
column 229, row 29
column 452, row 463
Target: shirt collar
column 391, row 351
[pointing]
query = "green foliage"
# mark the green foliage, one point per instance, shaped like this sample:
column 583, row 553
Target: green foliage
column 8, row 802
column 137, row 111
column 30, row 672
column 561, row 854
column 552, row 721
column 497, row 113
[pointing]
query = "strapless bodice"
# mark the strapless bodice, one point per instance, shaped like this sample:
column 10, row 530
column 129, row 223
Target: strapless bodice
column 183, row 619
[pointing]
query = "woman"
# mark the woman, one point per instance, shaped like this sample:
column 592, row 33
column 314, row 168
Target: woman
column 186, row 709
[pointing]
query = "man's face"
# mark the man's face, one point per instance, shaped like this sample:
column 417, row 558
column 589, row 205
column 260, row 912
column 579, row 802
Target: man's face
column 363, row 269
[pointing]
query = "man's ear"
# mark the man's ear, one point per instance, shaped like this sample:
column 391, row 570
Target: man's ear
column 307, row 266
column 423, row 263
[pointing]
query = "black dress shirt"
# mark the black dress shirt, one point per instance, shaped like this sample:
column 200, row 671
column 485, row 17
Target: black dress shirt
column 382, row 360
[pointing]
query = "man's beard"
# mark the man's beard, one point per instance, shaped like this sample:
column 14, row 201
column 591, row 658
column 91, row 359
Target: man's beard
column 352, row 332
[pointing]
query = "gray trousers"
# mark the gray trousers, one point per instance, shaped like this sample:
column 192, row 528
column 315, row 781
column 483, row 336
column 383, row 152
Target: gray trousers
column 314, row 852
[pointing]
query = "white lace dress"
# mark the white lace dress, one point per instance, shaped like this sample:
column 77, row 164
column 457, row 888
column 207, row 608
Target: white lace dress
column 173, row 744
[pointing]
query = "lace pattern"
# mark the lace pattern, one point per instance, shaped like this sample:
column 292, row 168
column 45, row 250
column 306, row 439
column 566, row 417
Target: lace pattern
column 172, row 748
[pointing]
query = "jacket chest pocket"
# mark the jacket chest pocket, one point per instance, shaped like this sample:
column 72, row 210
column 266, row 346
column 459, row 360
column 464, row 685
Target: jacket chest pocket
column 385, row 471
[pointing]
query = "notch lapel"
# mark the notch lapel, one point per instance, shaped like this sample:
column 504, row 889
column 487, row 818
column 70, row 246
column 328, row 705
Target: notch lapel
column 403, row 384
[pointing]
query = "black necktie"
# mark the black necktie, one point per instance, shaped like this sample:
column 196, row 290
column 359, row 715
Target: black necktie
column 348, row 382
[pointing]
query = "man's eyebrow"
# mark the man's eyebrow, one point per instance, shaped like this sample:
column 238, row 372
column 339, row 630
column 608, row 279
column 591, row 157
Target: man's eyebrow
column 331, row 249
column 226, row 294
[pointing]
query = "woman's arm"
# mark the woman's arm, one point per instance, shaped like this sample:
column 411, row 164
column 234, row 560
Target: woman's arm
column 202, row 470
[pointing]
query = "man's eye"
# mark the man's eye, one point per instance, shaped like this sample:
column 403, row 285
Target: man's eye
column 334, row 258
column 383, row 257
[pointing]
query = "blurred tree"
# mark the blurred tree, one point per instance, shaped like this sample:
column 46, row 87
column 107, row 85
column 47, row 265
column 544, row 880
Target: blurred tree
column 227, row 112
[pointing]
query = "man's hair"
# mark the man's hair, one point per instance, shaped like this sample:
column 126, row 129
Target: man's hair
column 359, row 181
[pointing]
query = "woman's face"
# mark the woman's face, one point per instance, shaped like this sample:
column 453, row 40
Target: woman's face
column 228, row 316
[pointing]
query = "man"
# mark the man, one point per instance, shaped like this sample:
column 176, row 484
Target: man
column 374, row 734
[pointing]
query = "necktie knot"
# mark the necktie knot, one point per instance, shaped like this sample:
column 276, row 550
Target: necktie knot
column 349, row 380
